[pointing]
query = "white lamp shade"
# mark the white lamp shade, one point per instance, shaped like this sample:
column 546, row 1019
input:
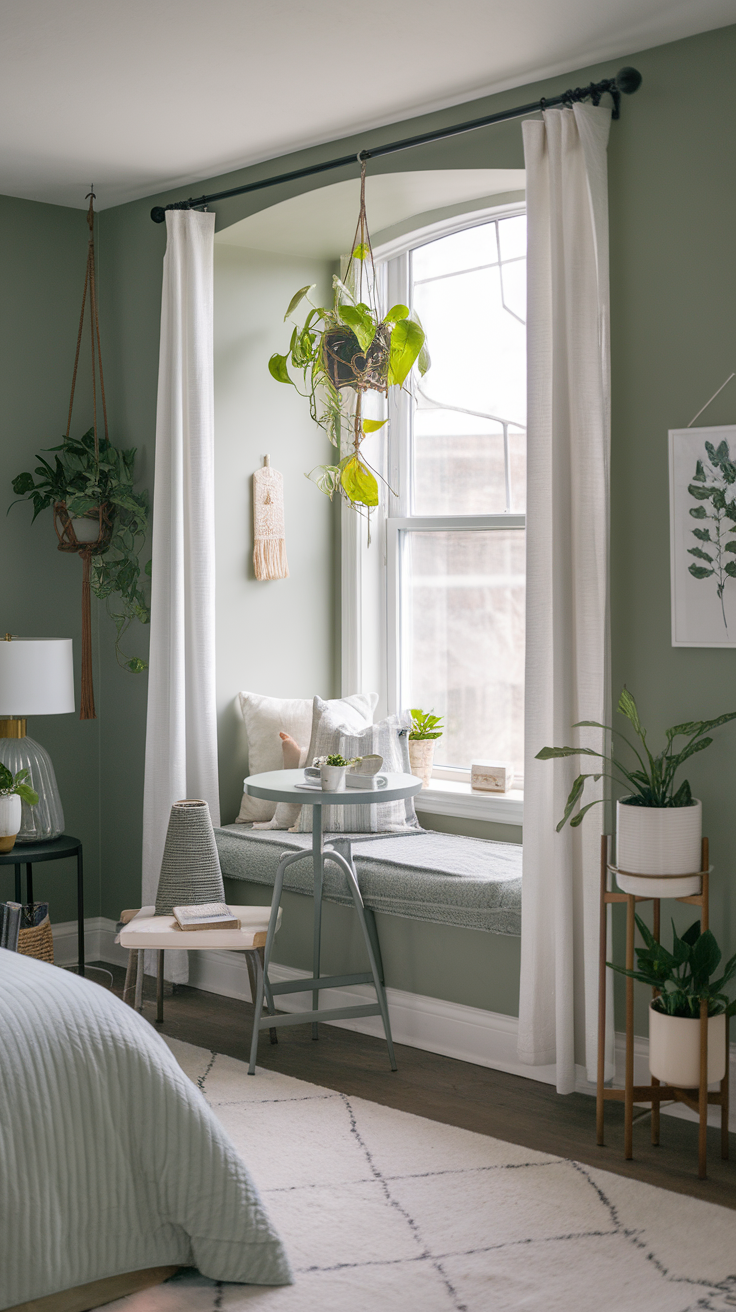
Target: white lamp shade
column 36, row 676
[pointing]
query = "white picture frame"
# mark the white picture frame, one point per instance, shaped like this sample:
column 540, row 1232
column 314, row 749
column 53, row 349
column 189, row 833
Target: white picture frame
column 703, row 590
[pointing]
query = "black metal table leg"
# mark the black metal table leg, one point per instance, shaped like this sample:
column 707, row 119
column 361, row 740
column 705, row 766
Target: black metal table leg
column 80, row 912
column 18, row 889
column 29, row 883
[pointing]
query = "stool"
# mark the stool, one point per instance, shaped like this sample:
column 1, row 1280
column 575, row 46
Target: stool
column 142, row 930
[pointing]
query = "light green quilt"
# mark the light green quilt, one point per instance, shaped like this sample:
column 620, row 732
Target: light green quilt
column 110, row 1159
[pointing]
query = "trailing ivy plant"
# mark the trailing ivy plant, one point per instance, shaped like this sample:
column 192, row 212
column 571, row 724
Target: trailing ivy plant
column 713, row 488
column 683, row 977
column 650, row 778
column 84, row 482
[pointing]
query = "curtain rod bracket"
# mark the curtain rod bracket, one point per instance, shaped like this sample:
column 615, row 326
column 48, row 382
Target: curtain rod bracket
column 626, row 82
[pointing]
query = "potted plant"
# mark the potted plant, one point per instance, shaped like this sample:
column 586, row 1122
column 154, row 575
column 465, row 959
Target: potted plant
column 425, row 729
column 683, row 979
column 658, row 827
column 95, row 507
column 13, row 791
column 343, row 352
column 332, row 772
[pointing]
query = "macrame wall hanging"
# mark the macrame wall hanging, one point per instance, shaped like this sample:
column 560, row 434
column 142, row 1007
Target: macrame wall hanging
column 269, row 542
column 98, row 524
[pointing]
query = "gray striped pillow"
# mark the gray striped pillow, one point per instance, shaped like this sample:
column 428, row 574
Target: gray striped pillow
column 389, row 739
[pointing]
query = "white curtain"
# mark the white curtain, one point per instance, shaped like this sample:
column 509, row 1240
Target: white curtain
column 567, row 661
column 181, row 730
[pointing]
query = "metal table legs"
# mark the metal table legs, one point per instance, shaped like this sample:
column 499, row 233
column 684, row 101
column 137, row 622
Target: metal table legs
column 319, row 855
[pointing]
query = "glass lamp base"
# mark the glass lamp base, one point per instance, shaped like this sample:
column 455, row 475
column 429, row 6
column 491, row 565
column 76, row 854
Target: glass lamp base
column 45, row 821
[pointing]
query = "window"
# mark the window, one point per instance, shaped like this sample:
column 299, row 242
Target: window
column 455, row 560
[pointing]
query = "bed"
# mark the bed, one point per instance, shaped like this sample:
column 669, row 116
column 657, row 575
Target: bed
column 110, row 1159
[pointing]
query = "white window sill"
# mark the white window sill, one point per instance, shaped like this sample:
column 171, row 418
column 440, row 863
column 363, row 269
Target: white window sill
column 448, row 798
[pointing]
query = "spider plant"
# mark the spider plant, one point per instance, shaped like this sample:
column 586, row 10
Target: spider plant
column 650, row 778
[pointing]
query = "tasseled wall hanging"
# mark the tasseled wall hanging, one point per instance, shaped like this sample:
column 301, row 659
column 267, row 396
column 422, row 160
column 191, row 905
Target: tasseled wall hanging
column 269, row 546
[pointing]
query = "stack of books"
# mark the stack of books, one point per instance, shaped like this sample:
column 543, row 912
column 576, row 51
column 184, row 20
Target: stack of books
column 212, row 915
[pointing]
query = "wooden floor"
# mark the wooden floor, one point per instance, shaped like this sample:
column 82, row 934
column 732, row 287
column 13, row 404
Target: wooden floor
column 508, row 1107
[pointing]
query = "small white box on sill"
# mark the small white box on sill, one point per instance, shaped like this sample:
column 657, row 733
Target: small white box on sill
column 491, row 776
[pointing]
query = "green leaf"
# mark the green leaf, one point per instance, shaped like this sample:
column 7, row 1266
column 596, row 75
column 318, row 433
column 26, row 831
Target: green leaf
column 373, row 425
column 27, row 794
column 360, row 319
column 297, row 298
column 700, row 493
column 22, row 484
column 359, row 483
column 698, row 572
column 578, row 819
column 362, row 251
column 396, row 313
column 407, row 340
column 136, row 665
column 701, row 555
column 699, row 512
column 627, row 707
column 730, row 568
column 704, row 535
column 278, row 370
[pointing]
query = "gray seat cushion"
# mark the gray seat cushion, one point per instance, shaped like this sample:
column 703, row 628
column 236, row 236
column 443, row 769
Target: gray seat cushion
column 446, row 878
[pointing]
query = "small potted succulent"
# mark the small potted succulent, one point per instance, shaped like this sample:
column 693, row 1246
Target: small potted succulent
column 425, row 729
column 683, row 979
column 13, row 791
column 332, row 772
column 658, row 827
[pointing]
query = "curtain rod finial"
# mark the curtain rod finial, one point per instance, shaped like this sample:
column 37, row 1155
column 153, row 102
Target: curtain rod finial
column 628, row 80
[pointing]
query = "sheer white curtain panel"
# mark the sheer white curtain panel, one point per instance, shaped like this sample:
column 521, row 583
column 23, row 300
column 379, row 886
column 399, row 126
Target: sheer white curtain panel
column 568, row 642
column 181, row 729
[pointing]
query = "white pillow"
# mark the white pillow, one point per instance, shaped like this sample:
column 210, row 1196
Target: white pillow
column 266, row 717
column 389, row 739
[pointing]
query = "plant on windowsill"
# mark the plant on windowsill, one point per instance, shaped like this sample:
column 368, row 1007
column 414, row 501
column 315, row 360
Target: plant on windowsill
column 425, row 729
column 95, row 508
column 658, row 829
column 344, row 352
column 683, row 979
column 13, row 791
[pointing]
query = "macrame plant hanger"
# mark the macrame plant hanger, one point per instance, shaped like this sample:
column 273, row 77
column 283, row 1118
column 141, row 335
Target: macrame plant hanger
column 63, row 521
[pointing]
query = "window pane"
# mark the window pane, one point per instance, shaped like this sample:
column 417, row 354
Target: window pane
column 474, row 319
column 463, row 640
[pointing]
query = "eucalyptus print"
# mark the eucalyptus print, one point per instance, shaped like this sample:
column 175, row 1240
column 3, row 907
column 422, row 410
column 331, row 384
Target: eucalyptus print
column 713, row 488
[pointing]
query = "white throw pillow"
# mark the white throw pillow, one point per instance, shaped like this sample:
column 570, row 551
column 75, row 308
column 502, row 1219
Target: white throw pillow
column 266, row 717
column 389, row 739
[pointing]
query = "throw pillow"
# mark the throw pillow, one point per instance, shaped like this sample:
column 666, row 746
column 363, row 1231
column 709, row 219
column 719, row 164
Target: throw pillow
column 389, row 739
column 265, row 718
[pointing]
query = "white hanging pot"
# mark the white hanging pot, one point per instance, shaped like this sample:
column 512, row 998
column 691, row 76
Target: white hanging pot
column 674, row 1048
column 10, row 818
column 421, row 759
column 658, row 841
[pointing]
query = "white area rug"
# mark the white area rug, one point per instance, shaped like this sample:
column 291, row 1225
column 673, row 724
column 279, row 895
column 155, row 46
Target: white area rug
column 382, row 1211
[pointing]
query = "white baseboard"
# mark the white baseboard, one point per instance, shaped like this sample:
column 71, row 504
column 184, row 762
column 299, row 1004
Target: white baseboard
column 483, row 1038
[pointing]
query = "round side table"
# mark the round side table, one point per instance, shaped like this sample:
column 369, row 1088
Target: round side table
column 281, row 786
column 29, row 854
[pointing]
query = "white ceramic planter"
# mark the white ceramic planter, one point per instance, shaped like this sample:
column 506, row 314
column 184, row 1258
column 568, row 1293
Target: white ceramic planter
column 674, row 1049
column 10, row 818
column 332, row 778
column 421, row 758
column 86, row 529
column 658, row 840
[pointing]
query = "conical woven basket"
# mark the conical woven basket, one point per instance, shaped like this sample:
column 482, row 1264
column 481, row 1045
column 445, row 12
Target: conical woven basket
column 190, row 869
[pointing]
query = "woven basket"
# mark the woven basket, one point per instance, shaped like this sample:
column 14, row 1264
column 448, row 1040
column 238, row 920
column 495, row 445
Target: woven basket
column 38, row 942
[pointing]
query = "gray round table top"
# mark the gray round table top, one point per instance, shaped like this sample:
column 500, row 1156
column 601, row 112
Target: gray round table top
column 280, row 786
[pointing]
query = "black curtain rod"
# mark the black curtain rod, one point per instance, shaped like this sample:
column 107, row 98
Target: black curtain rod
column 626, row 81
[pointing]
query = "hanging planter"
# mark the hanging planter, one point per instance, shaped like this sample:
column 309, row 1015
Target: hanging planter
column 344, row 352
column 97, row 514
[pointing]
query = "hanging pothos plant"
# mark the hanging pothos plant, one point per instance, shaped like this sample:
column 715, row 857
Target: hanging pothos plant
column 344, row 352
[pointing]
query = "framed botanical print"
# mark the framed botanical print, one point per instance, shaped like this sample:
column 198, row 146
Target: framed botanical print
column 703, row 536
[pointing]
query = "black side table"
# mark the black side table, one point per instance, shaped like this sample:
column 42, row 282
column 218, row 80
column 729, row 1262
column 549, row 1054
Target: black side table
column 29, row 854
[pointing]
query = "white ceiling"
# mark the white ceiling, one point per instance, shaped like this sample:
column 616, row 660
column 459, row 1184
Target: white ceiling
column 142, row 95
column 320, row 224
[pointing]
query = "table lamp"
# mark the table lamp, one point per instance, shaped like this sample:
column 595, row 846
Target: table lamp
column 36, row 678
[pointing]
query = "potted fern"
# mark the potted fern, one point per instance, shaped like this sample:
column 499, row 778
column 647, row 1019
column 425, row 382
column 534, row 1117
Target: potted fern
column 683, row 979
column 13, row 791
column 425, row 729
column 658, row 826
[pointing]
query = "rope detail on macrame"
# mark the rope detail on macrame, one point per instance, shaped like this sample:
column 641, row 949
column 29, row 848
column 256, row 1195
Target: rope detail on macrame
column 269, row 546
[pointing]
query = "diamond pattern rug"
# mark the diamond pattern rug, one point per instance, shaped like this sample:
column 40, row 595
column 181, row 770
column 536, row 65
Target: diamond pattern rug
column 382, row 1211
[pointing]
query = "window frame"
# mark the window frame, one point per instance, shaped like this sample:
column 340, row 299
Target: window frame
column 371, row 577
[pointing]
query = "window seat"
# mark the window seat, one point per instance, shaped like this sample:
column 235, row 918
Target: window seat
column 472, row 883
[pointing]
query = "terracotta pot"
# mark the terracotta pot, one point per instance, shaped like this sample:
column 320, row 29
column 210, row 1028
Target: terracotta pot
column 421, row 759
column 10, row 819
column 674, row 1049
column 659, row 840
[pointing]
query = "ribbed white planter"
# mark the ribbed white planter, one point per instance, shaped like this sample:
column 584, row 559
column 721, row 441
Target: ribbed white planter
column 658, row 840
column 10, row 818
column 421, row 758
column 674, row 1049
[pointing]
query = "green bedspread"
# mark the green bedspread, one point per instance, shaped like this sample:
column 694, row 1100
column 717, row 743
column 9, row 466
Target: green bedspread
column 110, row 1159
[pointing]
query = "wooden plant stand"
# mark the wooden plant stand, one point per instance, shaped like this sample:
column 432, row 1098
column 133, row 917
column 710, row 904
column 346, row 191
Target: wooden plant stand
column 697, row 1099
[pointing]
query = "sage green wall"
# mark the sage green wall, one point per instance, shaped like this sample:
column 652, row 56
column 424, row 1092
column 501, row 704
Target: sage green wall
column 42, row 259
column 673, row 328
